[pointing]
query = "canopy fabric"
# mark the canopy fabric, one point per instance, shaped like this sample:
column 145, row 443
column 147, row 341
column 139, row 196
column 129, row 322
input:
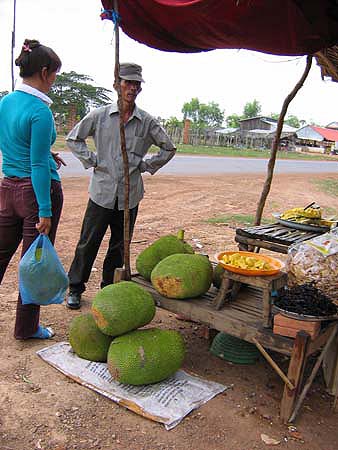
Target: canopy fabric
column 280, row 27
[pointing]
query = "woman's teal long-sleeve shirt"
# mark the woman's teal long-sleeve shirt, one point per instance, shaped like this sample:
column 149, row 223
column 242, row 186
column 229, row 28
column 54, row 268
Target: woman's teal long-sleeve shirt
column 27, row 131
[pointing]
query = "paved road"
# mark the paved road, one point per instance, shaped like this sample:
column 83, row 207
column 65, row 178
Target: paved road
column 204, row 165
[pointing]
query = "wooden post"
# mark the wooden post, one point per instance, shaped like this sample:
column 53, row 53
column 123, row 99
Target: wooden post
column 295, row 374
column 313, row 374
column 186, row 131
column 126, row 221
column 224, row 289
column 272, row 160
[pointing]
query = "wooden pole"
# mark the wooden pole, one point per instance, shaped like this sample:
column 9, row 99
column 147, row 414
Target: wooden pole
column 295, row 374
column 273, row 364
column 126, row 275
column 13, row 44
column 313, row 374
column 272, row 160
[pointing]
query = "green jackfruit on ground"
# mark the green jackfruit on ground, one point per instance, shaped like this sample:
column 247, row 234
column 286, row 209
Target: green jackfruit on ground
column 217, row 275
column 182, row 276
column 87, row 340
column 122, row 307
column 160, row 249
column 145, row 356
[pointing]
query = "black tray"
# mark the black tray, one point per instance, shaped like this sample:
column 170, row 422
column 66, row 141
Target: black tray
column 305, row 317
column 301, row 226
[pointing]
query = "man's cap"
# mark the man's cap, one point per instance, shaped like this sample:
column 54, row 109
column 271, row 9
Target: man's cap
column 131, row 71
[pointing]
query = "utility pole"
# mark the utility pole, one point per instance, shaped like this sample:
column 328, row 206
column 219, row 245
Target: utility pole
column 13, row 43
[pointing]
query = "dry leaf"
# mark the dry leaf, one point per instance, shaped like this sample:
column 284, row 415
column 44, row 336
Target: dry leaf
column 268, row 440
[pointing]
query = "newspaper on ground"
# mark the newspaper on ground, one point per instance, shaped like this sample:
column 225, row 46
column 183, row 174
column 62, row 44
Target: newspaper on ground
column 167, row 402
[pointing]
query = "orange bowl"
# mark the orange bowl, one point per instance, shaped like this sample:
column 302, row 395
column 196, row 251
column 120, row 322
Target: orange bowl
column 276, row 265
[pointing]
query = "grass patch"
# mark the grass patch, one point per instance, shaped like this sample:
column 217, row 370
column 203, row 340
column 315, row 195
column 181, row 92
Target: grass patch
column 60, row 144
column 242, row 153
column 329, row 186
column 238, row 219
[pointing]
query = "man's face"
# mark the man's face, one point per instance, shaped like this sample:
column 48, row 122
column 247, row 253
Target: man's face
column 130, row 90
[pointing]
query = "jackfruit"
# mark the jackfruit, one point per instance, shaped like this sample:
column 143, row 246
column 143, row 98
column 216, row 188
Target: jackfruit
column 217, row 276
column 160, row 249
column 182, row 276
column 87, row 340
column 122, row 307
column 145, row 356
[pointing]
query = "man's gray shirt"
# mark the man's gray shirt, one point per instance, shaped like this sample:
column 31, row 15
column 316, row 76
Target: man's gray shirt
column 107, row 181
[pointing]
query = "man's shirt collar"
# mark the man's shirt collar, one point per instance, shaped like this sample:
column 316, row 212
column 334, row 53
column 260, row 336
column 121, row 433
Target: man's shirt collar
column 136, row 113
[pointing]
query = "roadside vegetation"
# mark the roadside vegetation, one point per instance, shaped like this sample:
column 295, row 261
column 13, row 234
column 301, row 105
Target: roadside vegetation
column 60, row 145
column 238, row 219
column 328, row 185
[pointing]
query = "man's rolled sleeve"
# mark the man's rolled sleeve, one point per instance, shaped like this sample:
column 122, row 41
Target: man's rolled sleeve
column 166, row 153
column 76, row 141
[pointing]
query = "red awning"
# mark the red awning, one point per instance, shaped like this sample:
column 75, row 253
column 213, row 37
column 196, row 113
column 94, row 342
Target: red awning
column 329, row 135
column 281, row 27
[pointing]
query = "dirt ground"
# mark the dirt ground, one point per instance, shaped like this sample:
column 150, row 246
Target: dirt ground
column 40, row 408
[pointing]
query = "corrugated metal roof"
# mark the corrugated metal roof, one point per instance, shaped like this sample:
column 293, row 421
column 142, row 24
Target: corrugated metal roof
column 327, row 133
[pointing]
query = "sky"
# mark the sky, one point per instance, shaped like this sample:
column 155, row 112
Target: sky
column 230, row 78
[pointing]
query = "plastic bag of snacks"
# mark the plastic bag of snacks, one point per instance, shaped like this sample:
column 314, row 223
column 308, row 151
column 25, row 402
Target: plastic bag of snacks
column 316, row 260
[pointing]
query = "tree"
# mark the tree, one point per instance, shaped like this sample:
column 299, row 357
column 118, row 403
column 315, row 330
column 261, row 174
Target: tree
column 252, row 109
column 72, row 91
column 173, row 122
column 3, row 93
column 203, row 115
column 291, row 120
column 233, row 120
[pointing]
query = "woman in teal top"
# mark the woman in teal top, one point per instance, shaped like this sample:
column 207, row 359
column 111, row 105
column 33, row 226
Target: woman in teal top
column 30, row 192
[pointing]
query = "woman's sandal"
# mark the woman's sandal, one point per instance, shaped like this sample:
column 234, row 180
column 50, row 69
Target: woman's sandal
column 43, row 333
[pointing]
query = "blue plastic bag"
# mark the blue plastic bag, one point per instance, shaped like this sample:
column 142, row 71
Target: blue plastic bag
column 42, row 278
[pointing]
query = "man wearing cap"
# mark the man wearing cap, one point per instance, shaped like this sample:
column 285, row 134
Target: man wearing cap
column 106, row 191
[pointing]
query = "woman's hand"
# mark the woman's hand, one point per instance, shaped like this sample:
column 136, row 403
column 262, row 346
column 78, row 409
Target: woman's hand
column 58, row 160
column 44, row 225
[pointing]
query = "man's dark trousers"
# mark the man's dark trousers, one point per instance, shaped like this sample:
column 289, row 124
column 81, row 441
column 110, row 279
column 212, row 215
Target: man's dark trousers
column 95, row 224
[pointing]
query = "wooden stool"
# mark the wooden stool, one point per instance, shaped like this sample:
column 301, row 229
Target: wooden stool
column 232, row 282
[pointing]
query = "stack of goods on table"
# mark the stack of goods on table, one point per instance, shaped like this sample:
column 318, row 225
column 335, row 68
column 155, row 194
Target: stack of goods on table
column 309, row 215
column 312, row 294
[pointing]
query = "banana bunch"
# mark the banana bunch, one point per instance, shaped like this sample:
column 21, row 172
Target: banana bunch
column 246, row 262
column 301, row 214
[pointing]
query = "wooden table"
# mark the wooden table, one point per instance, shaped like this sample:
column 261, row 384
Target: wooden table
column 274, row 237
column 233, row 282
column 242, row 318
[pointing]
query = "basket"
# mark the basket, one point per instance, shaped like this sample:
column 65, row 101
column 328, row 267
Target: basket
column 235, row 350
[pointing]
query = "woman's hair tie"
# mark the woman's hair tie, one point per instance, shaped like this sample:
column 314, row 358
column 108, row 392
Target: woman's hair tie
column 26, row 48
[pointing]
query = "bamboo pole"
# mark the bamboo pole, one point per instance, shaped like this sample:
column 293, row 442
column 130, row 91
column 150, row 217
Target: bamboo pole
column 13, row 44
column 126, row 275
column 272, row 160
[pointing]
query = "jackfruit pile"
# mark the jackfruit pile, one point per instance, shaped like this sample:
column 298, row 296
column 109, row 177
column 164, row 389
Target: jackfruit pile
column 246, row 262
column 110, row 333
column 160, row 249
